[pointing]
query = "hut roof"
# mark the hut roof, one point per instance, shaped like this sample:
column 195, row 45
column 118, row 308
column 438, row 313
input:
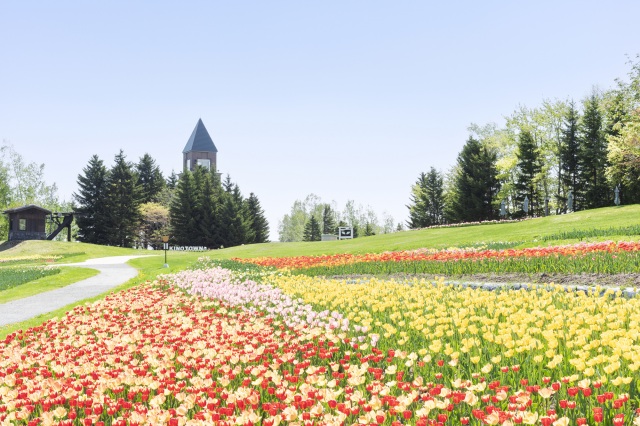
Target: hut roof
column 27, row 207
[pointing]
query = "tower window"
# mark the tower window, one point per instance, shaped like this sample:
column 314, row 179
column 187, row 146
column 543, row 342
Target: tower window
column 188, row 164
column 204, row 162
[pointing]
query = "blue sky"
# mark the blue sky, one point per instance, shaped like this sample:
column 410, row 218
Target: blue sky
column 343, row 99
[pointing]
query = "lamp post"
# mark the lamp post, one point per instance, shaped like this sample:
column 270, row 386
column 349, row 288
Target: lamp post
column 165, row 240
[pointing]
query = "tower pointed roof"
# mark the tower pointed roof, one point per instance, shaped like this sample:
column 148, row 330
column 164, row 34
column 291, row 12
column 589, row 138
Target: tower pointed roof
column 200, row 140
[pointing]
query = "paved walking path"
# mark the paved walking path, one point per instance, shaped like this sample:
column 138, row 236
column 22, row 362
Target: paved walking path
column 113, row 272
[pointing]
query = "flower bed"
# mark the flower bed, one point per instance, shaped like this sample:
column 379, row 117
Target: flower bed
column 12, row 276
column 157, row 355
column 604, row 257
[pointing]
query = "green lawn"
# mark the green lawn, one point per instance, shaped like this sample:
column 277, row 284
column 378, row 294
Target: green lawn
column 530, row 233
column 66, row 276
column 70, row 252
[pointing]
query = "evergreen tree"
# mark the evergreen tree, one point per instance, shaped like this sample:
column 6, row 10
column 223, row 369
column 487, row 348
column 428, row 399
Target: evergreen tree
column 427, row 200
column 328, row 220
column 529, row 166
column 418, row 204
column 259, row 224
column 205, row 210
column 233, row 225
column 570, row 157
column 475, row 185
column 172, row 180
column 239, row 200
column 593, row 155
column 435, row 197
column 123, row 202
column 184, row 228
column 369, row 229
column 312, row 230
column 227, row 185
column 150, row 179
column 91, row 200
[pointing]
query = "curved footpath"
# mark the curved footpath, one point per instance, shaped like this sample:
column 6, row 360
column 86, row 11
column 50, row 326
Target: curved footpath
column 113, row 271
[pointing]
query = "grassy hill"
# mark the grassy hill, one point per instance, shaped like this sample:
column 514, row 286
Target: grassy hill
column 614, row 223
column 610, row 223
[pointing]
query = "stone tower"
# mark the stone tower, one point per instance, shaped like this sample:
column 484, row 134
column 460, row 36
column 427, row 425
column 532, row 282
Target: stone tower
column 199, row 150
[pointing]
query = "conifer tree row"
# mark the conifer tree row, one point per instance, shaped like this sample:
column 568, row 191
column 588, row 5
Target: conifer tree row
column 211, row 213
column 108, row 203
column 132, row 205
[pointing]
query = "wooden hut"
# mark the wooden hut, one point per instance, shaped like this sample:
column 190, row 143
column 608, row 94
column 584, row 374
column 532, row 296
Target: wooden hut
column 27, row 223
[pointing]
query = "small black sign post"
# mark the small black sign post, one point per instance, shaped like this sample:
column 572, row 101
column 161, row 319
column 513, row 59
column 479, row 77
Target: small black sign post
column 165, row 241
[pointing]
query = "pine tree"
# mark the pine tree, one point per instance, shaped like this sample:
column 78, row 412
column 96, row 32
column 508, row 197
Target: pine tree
column 312, row 230
column 172, row 180
column 91, row 202
column 328, row 220
column 593, row 155
column 246, row 214
column 259, row 224
column 418, row 204
column 150, row 179
column 435, row 197
column 184, row 228
column 234, row 218
column 123, row 202
column 233, row 225
column 227, row 185
column 529, row 167
column 475, row 185
column 570, row 157
column 205, row 210
column 369, row 230
column 427, row 200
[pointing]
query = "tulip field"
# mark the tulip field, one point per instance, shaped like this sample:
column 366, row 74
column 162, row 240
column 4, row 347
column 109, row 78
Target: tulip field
column 604, row 257
column 255, row 342
column 11, row 276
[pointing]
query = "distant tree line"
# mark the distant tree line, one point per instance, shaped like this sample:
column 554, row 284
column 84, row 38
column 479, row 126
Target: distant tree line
column 133, row 205
column 311, row 217
column 559, row 156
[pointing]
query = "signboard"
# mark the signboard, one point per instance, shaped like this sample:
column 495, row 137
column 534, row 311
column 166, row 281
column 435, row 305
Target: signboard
column 345, row 233
column 188, row 248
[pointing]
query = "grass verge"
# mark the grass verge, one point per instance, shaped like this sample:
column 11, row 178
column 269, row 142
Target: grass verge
column 149, row 268
column 67, row 276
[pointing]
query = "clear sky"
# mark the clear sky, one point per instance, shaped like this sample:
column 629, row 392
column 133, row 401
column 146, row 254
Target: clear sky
column 343, row 99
